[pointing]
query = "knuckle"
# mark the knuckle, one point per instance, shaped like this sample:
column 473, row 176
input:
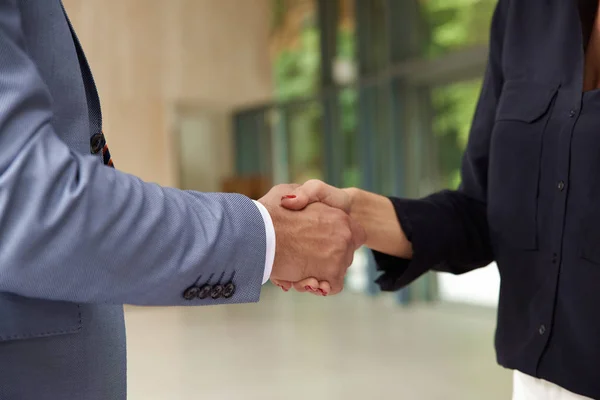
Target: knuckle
column 343, row 239
column 315, row 186
column 313, row 182
column 346, row 235
column 337, row 248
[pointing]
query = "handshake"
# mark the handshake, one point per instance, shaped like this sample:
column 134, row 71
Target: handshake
column 315, row 236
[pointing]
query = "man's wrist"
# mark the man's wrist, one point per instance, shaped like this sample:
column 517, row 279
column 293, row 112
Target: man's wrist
column 270, row 241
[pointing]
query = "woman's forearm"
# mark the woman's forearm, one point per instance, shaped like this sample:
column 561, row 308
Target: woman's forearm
column 377, row 216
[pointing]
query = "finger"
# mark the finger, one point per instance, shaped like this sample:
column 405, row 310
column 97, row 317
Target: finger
column 284, row 285
column 301, row 197
column 359, row 235
column 316, row 191
column 309, row 285
column 324, row 288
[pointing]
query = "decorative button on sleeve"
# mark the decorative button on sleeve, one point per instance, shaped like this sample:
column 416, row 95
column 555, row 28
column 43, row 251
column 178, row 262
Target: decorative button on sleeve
column 191, row 292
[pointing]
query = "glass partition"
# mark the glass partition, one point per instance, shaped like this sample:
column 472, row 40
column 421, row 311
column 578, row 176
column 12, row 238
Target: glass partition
column 377, row 94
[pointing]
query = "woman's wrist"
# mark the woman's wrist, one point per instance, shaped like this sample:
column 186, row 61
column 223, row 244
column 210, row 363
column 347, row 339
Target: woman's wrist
column 353, row 197
column 378, row 217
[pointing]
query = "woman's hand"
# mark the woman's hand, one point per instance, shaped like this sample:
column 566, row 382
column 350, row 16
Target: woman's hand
column 317, row 191
column 308, row 285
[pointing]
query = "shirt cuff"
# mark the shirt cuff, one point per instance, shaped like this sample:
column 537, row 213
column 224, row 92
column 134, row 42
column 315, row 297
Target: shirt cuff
column 270, row 232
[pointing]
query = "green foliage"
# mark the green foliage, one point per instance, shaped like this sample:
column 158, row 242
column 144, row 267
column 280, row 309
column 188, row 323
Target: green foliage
column 348, row 102
column 297, row 70
column 305, row 142
column 297, row 74
column 454, row 106
column 455, row 24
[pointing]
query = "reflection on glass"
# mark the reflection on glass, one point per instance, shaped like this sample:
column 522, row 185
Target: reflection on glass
column 453, row 107
column 344, row 68
column 455, row 24
column 348, row 103
column 305, row 127
column 376, row 53
column 382, row 137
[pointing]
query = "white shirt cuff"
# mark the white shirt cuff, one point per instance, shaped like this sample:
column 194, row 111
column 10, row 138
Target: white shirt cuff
column 270, row 230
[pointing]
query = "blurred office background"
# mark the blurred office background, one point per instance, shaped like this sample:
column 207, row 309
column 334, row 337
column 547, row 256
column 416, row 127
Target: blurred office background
column 238, row 95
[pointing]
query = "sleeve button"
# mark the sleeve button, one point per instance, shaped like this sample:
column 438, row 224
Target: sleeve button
column 228, row 290
column 191, row 292
column 217, row 291
column 204, row 292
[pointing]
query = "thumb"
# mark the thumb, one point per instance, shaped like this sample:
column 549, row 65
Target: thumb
column 314, row 191
column 297, row 200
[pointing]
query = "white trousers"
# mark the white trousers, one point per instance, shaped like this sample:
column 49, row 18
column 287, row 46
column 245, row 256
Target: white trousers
column 526, row 387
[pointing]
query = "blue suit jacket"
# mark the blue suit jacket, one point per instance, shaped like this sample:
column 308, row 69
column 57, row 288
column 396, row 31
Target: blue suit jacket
column 79, row 239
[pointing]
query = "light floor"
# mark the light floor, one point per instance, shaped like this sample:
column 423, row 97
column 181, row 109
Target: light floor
column 292, row 346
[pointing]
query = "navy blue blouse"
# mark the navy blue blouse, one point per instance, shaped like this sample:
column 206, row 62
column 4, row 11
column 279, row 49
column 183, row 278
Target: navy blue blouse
column 529, row 199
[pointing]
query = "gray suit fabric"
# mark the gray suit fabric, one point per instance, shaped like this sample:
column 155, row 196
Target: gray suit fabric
column 78, row 239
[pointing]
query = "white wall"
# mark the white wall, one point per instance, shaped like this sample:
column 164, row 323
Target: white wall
column 147, row 55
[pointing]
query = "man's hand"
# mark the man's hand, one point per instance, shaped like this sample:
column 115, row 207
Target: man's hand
column 314, row 191
column 317, row 242
column 373, row 212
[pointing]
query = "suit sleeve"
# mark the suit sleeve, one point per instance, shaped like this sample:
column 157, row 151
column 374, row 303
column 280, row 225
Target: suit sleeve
column 74, row 230
column 449, row 230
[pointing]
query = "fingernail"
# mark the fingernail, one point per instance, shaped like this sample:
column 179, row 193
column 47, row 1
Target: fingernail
column 289, row 196
column 309, row 288
column 322, row 292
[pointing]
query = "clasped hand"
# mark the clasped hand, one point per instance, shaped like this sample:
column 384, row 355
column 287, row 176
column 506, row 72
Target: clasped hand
column 315, row 236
